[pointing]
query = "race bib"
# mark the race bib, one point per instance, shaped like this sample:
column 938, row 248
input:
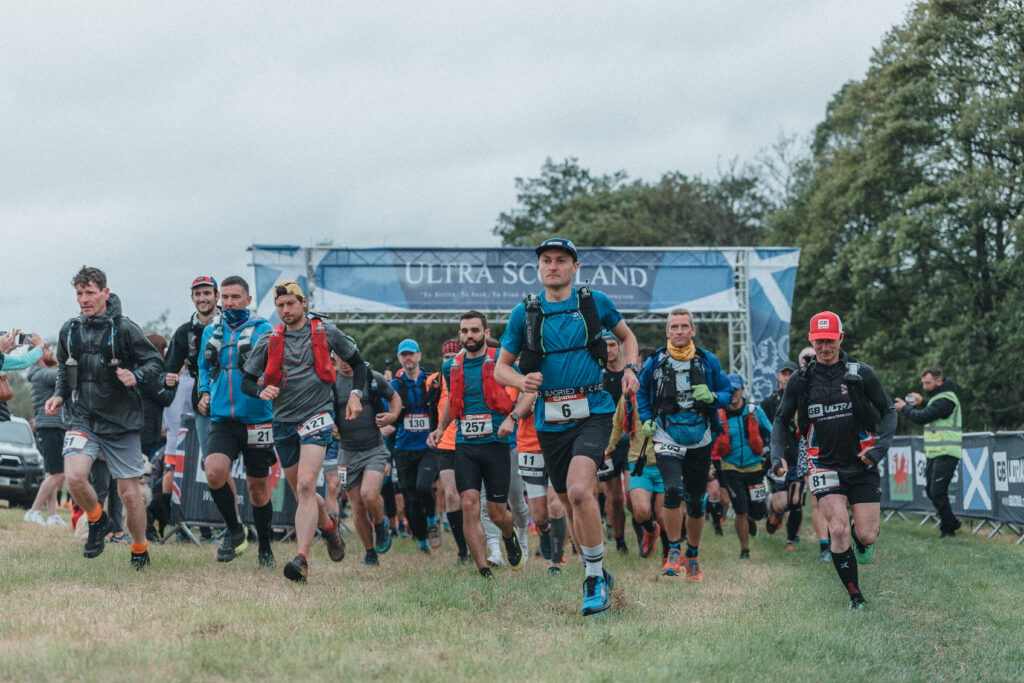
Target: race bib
column 75, row 441
column 531, row 462
column 419, row 422
column 823, row 480
column 663, row 448
column 259, row 435
column 343, row 474
column 607, row 467
column 566, row 408
column 476, row 426
column 319, row 423
column 758, row 492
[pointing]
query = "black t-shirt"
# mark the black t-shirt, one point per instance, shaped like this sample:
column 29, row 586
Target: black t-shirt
column 830, row 410
column 361, row 433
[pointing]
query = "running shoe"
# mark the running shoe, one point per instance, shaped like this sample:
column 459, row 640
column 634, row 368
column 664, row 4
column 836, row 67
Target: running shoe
column 545, row 544
column 596, row 593
column 297, row 569
column 672, row 563
column 825, row 555
column 463, row 558
column 434, row 536
column 858, row 602
column 95, row 543
column 494, row 557
column 620, row 545
column 514, row 551
column 335, row 543
column 371, row 559
column 862, row 552
column 744, row 553
column 36, row 517
column 382, row 544
column 693, row 569
column 717, row 525
column 424, row 550
column 55, row 520
column 649, row 540
column 140, row 560
column 790, row 545
column 486, row 572
column 773, row 524
column 554, row 570
column 266, row 560
column 402, row 531
column 232, row 544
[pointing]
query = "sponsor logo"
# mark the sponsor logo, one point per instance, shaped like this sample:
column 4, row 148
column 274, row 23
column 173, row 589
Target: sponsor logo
column 814, row 410
column 920, row 467
column 1000, row 470
column 823, row 323
column 1016, row 471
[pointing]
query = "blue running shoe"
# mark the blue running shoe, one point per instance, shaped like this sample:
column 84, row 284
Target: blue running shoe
column 382, row 543
column 596, row 591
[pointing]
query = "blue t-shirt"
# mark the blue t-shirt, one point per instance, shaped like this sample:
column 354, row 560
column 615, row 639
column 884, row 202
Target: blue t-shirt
column 415, row 414
column 473, row 399
column 572, row 368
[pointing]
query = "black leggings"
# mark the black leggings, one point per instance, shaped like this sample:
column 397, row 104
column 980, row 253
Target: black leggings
column 417, row 471
column 686, row 479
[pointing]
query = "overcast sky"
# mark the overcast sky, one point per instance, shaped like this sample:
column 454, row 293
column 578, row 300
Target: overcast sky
column 158, row 140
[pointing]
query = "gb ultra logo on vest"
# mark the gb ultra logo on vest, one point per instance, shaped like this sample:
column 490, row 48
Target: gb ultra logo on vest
column 816, row 410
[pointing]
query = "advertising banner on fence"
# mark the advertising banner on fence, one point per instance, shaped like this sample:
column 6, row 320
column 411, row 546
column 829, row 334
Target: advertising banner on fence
column 989, row 484
column 412, row 280
column 192, row 503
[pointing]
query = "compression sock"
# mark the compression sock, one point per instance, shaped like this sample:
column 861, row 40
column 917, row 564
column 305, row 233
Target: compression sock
column 715, row 508
column 692, row 550
column 455, row 522
column 846, row 567
column 638, row 530
column 95, row 514
column 225, row 502
column 592, row 557
column 558, row 531
column 648, row 524
column 796, row 518
column 139, row 548
column 262, row 517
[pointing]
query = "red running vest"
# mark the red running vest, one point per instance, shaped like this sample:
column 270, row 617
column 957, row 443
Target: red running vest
column 321, row 354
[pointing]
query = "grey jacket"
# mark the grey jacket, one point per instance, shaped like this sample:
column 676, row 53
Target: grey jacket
column 42, row 382
column 102, row 404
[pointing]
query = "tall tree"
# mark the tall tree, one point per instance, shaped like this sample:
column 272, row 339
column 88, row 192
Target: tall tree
column 910, row 214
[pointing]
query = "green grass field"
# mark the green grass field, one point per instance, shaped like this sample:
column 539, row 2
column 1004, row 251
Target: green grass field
column 937, row 610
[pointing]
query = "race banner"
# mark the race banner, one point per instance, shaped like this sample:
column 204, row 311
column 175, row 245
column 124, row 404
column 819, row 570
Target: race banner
column 192, row 503
column 638, row 280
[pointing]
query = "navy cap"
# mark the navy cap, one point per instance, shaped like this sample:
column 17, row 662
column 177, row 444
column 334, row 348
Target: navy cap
column 559, row 243
column 408, row 345
column 788, row 365
column 737, row 381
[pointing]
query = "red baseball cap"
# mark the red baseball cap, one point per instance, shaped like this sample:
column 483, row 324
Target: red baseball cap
column 825, row 325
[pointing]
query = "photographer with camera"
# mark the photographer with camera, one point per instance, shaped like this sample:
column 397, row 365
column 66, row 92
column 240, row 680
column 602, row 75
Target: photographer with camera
column 943, row 435
column 9, row 341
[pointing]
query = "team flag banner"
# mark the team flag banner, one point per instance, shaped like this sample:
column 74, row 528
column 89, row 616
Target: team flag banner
column 191, row 502
column 638, row 280
column 988, row 484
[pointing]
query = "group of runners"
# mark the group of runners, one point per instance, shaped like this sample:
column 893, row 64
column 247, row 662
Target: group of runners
column 542, row 424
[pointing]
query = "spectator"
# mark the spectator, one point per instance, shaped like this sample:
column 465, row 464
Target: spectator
column 42, row 378
column 9, row 342
column 943, row 436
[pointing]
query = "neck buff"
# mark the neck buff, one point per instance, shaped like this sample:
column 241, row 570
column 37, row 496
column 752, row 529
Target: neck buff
column 685, row 353
column 235, row 317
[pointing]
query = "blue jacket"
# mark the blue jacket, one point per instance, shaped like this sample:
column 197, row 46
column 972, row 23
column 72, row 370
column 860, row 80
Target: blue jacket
column 717, row 381
column 740, row 455
column 227, row 402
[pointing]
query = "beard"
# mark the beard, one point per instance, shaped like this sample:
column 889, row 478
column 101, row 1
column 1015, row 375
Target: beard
column 473, row 345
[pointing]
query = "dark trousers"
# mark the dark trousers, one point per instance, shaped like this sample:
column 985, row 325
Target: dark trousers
column 417, row 471
column 938, row 473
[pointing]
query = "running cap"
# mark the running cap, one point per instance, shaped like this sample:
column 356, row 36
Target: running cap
column 408, row 345
column 788, row 366
column 288, row 287
column 608, row 336
column 736, row 381
column 825, row 325
column 559, row 243
column 204, row 281
column 451, row 346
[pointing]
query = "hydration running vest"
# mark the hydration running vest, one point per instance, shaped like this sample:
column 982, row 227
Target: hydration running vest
column 242, row 345
column 495, row 396
column 666, row 396
column 863, row 411
column 321, row 354
column 723, row 445
column 429, row 385
column 107, row 351
column 534, row 352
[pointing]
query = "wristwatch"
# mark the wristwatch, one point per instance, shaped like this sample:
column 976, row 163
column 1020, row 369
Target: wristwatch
column 514, row 416
column 634, row 367
column 357, row 392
